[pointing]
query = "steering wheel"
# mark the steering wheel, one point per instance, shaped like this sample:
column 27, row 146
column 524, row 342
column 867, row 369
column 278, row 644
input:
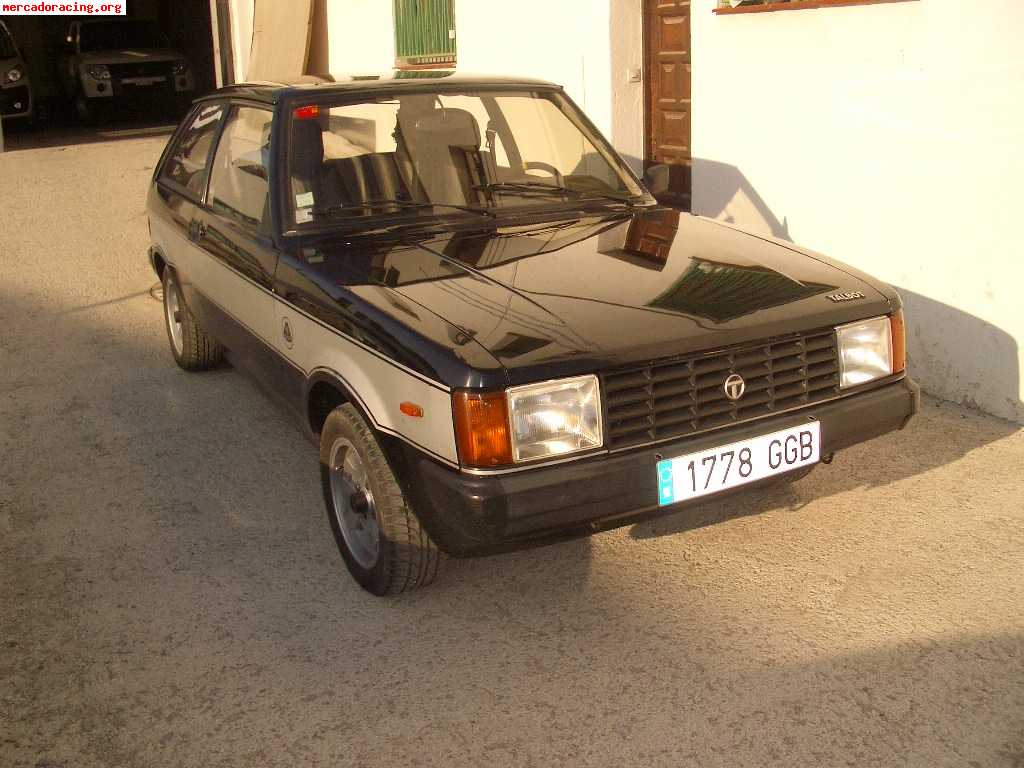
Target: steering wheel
column 548, row 168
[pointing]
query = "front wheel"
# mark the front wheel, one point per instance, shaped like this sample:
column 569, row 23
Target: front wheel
column 381, row 540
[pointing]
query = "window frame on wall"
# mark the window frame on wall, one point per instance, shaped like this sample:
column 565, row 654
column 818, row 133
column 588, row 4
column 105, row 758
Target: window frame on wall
column 424, row 34
column 725, row 7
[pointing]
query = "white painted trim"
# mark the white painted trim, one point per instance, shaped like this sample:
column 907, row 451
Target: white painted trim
column 380, row 383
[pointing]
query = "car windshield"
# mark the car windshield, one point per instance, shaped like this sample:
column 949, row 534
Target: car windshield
column 116, row 35
column 470, row 152
column 7, row 50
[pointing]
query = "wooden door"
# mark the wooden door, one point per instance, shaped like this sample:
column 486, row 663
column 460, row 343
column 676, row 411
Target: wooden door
column 667, row 77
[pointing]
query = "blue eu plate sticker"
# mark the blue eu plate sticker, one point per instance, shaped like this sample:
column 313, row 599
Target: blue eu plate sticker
column 666, row 491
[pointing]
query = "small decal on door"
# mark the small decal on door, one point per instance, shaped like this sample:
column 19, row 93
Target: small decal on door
column 286, row 332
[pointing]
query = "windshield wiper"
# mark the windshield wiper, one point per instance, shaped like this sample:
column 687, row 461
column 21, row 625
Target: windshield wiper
column 396, row 203
column 534, row 187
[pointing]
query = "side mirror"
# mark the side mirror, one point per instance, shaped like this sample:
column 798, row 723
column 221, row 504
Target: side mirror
column 656, row 179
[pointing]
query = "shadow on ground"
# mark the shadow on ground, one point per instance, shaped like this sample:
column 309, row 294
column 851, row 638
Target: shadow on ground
column 963, row 357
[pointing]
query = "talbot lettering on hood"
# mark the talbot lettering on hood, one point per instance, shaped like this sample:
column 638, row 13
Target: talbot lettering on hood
column 850, row 296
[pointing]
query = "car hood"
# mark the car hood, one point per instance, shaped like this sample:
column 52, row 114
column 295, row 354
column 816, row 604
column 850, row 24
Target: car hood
column 129, row 56
column 587, row 294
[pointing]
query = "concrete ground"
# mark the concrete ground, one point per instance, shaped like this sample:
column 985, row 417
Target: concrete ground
column 172, row 596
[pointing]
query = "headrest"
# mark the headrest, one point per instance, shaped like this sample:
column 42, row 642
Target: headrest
column 451, row 127
column 307, row 147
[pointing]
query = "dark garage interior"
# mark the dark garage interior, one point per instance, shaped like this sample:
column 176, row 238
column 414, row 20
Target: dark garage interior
column 184, row 24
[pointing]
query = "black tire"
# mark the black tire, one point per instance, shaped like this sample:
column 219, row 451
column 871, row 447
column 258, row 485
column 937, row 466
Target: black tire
column 406, row 558
column 194, row 349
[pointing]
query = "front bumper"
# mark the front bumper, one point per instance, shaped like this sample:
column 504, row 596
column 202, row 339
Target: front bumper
column 141, row 87
column 471, row 514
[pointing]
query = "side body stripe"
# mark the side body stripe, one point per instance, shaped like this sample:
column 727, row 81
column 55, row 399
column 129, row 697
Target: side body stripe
column 379, row 383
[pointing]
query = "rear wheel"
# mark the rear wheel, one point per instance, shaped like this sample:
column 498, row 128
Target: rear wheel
column 193, row 349
column 383, row 545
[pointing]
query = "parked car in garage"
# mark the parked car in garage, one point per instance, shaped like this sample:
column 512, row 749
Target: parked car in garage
column 491, row 330
column 109, row 63
column 15, row 87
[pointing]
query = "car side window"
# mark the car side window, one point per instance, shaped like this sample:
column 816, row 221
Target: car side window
column 239, row 184
column 188, row 163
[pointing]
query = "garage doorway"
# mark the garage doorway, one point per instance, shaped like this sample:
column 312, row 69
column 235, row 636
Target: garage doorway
column 185, row 29
column 668, row 157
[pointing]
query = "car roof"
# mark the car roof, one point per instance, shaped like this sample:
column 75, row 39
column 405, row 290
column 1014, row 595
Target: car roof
column 272, row 91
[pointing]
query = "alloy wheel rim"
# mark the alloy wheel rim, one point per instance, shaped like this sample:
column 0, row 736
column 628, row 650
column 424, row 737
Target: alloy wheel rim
column 354, row 507
column 173, row 309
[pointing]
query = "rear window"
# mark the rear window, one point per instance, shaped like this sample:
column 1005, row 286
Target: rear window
column 187, row 165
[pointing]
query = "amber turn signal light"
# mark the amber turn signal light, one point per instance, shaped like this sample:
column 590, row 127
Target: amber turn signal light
column 899, row 342
column 411, row 409
column 481, row 428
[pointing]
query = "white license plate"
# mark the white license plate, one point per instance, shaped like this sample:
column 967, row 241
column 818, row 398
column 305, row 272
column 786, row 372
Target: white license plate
column 718, row 469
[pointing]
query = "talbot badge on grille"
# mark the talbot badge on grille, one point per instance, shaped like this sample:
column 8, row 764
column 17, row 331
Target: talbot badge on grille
column 734, row 387
column 850, row 296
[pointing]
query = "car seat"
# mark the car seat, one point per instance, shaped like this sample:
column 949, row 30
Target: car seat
column 444, row 148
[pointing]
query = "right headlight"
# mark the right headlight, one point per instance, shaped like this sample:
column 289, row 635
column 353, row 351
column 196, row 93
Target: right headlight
column 14, row 74
column 528, row 423
column 98, row 72
column 870, row 349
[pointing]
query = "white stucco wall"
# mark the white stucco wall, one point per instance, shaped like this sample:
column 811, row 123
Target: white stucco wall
column 564, row 41
column 242, row 13
column 360, row 35
column 627, row 96
column 891, row 137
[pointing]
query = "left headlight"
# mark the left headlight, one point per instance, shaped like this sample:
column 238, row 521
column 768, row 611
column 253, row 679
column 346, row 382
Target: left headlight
column 98, row 72
column 555, row 418
column 521, row 424
column 14, row 74
column 179, row 67
column 870, row 349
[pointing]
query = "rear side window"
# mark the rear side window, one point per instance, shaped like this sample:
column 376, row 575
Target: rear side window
column 239, row 184
column 189, row 160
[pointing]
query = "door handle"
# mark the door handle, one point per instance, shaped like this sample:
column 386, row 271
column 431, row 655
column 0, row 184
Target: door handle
column 197, row 230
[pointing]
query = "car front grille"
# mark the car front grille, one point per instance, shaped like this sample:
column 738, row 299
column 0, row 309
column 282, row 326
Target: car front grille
column 681, row 396
column 141, row 69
